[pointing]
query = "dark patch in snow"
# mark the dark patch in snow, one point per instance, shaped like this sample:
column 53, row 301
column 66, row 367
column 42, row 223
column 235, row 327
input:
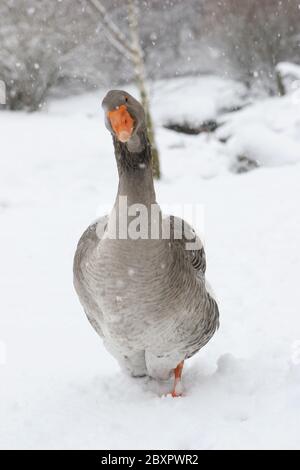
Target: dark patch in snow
column 233, row 109
column 244, row 164
column 187, row 128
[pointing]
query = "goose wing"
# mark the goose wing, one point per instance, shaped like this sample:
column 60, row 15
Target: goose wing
column 83, row 257
column 184, row 235
column 190, row 246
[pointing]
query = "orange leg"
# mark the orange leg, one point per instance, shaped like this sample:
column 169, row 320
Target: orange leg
column 176, row 392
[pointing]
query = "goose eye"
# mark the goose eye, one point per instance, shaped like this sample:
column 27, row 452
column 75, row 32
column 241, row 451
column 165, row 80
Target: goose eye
column 126, row 99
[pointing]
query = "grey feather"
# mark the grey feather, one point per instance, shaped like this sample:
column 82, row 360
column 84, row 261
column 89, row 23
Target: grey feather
column 85, row 249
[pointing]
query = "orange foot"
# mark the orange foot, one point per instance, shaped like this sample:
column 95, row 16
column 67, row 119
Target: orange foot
column 177, row 392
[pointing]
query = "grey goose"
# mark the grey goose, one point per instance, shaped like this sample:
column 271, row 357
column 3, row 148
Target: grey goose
column 146, row 296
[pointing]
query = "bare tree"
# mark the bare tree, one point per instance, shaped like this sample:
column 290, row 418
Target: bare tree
column 36, row 44
column 252, row 37
column 131, row 49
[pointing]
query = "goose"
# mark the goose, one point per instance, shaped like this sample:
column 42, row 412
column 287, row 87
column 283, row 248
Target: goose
column 142, row 287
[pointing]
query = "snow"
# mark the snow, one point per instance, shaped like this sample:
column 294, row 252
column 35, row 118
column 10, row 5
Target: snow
column 59, row 387
column 196, row 98
column 288, row 69
column 267, row 131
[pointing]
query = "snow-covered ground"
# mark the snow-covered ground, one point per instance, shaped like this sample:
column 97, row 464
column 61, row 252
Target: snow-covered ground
column 59, row 387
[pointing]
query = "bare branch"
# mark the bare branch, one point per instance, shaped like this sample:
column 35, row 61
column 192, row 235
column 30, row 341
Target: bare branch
column 116, row 37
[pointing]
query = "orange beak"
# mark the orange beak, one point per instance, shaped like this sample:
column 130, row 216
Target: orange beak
column 121, row 122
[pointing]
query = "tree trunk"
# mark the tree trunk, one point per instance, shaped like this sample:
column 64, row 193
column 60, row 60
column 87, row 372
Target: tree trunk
column 139, row 71
column 280, row 84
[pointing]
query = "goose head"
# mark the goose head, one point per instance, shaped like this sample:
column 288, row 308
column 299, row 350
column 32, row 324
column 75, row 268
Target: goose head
column 124, row 115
